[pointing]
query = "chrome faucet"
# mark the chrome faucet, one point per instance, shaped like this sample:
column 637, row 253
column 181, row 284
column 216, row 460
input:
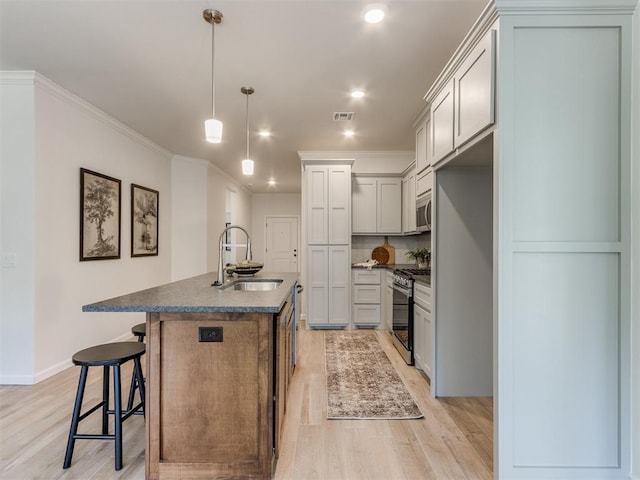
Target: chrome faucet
column 221, row 268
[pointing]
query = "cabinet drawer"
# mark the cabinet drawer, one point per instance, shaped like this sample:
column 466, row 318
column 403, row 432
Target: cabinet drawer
column 370, row 277
column 424, row 182
column 366, row 294
column 366, row 314
column 422, row 296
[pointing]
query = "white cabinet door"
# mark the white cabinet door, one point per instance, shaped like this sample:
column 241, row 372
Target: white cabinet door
column 317, row 211
column 364, row 201
column 389, row 205
column 366, row 294
column 329, row 281
column 339, row 205
column 422, row 339
column 366, row 314
column 442, row 123
column 409, row 202
column 377, row 205
column 428, row 344
column 328, row 198
column 424, row 183
column 418, row 336
column 339, row 283
column 474, row 90
column 412, row 201
column 388, row 302
column 318, row 285
column 422, row 133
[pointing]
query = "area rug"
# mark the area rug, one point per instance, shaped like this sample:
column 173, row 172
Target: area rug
column 361, row 382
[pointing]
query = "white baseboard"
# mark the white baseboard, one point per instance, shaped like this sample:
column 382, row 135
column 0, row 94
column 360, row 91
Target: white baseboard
column 49, row 371
column 16, row 380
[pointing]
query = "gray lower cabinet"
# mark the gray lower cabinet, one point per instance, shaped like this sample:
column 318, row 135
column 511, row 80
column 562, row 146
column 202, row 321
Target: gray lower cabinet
column 366, row 297
column 423, row 329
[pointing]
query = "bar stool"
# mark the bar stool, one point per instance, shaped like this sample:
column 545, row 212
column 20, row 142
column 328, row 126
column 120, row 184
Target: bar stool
column 106, row 356
column 140, row 331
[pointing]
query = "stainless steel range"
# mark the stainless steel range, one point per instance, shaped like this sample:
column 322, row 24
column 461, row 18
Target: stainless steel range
column 403, row 310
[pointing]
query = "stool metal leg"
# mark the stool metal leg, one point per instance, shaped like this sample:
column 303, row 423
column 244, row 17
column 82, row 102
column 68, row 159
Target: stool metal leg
column 75, row 417
column 117, row 400
column 137, row 370
column 132, row 390
column 105, row 399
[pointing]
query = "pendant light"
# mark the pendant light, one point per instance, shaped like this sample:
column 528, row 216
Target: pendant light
column 247, row 163
column 213, row 127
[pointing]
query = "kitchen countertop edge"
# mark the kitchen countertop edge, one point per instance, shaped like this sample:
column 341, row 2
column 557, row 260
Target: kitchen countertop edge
column 196, row 295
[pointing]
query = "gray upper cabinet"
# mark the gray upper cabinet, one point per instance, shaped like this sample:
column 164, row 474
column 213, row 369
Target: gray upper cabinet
column 465, row 105
column 474, row 90
column 377, row 205
column 423, row 145
column 442, row 123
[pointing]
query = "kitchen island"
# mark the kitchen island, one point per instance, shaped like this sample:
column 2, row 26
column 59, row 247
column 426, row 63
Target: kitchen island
column 218, row 365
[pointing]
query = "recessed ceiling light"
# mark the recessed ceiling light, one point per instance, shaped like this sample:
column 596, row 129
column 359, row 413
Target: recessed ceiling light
column 357, row 93
column 374, row 13
column 271, row 182
column 264, row 133
column 349, row 133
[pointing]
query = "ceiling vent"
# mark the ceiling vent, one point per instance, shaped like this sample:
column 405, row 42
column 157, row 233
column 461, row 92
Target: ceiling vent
column 343, row 116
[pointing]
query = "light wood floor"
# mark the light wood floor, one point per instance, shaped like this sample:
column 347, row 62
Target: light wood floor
column 453, row 441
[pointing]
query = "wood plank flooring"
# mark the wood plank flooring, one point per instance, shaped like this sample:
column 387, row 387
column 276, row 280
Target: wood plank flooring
column 453, row 441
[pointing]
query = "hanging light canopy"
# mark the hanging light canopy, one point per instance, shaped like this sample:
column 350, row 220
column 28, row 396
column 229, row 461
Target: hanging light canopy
column 212, row 126
column 247, row 163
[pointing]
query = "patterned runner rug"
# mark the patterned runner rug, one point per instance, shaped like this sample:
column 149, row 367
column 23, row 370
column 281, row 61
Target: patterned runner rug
column 361, row 382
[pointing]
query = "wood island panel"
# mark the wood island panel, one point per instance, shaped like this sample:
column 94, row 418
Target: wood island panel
column 213, row 415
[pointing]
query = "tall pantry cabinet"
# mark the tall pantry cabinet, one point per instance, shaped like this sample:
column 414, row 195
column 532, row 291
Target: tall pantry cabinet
column 327, row 194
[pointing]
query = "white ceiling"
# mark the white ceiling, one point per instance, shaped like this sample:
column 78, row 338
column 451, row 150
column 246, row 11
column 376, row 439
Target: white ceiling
column 148, row 64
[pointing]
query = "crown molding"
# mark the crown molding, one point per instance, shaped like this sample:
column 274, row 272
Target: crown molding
column 41, row 82
column 351, row 156
column 556, row 7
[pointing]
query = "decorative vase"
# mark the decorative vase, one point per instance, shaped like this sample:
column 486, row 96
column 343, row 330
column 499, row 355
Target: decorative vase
column 423, row 264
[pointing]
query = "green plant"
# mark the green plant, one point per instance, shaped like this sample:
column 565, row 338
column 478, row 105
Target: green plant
column 419, row 254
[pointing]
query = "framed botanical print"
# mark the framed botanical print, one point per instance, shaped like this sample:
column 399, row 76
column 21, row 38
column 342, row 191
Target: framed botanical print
column 99, row 216
column 144, row 221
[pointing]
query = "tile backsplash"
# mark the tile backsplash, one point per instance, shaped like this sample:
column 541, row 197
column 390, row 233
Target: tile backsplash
column 363, row 245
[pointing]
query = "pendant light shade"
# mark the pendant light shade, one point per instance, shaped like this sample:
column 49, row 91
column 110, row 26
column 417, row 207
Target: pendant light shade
column 247, row 163
column 213, row 130
column 213, row 127
column 247, row 166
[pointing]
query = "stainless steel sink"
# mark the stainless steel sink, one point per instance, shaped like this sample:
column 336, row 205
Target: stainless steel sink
column 256, row 285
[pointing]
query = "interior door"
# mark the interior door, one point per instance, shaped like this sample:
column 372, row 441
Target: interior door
column 282, row 250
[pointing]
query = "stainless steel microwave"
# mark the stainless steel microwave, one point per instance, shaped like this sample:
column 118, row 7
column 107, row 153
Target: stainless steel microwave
column 423, row 213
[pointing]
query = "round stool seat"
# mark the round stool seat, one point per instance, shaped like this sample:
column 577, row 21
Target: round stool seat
column 139, row 330
column 109, row 354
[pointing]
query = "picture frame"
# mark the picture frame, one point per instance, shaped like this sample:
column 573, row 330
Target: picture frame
column 144, row 221
column 100, row 215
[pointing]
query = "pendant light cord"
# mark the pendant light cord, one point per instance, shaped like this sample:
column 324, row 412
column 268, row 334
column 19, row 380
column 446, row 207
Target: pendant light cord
column 247, row 94
column 213, row 82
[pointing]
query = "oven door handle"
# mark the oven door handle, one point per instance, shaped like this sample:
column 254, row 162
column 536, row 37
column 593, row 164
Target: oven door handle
column 405, row 291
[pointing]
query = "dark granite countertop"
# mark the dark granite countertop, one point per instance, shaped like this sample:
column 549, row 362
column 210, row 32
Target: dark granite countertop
column 197, row 295
column 389, row 266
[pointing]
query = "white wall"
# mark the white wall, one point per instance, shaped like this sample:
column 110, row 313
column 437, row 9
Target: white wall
column 17, row 206
column 270, row 204
column 69, row 134
column 635, row 254
column 188, row 217
column 217, row 184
